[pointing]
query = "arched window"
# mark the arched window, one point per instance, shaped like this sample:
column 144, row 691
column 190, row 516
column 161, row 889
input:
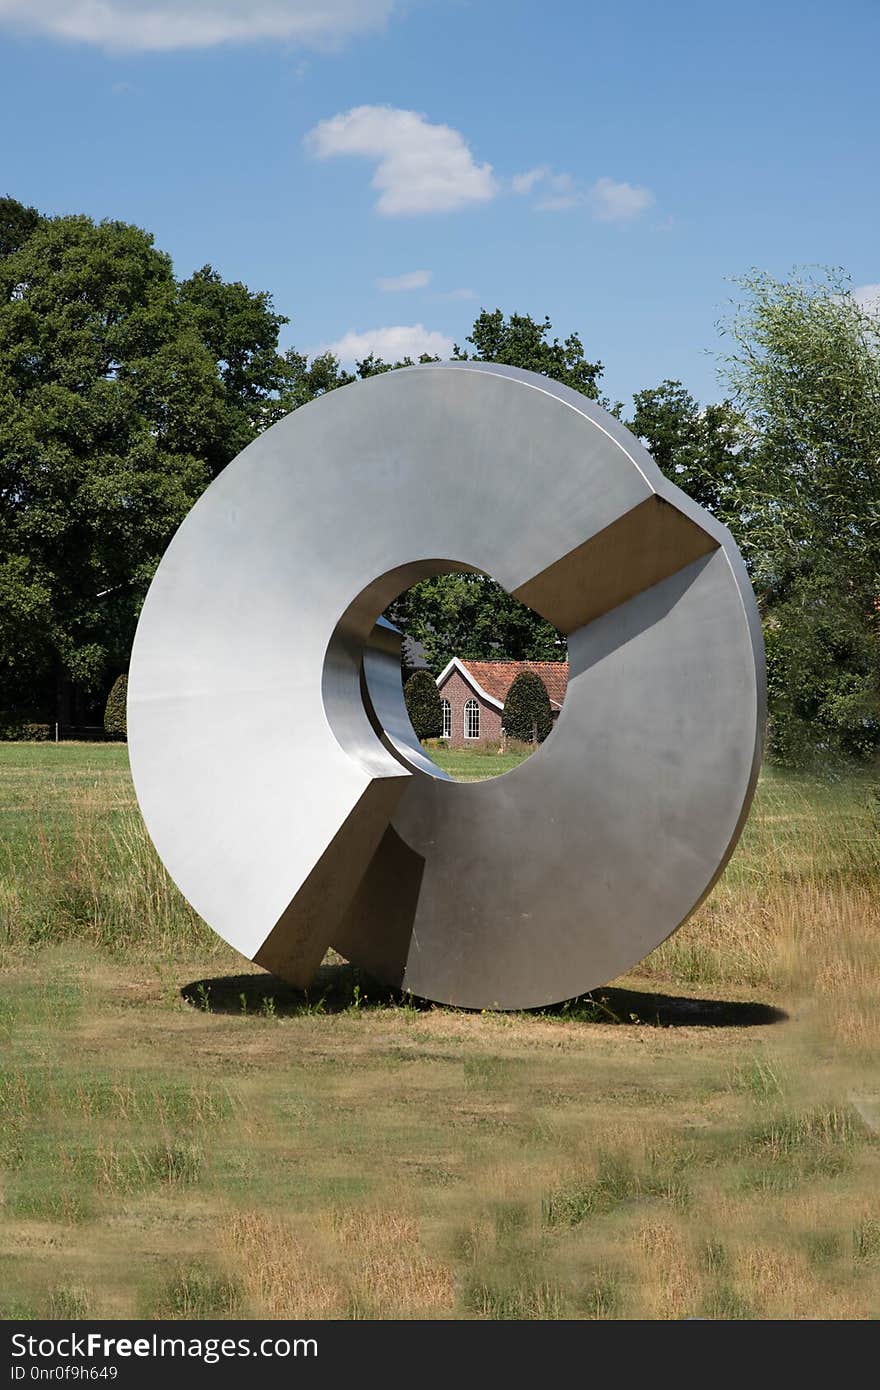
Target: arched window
column 472, row 719
column 447, row 718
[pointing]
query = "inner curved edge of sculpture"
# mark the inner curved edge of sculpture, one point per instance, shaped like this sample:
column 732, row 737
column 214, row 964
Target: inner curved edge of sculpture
column 432, row 885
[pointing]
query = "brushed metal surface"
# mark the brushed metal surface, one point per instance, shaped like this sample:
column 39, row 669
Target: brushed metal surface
column 272, row 756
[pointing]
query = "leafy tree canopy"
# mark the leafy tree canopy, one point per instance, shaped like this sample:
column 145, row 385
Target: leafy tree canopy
column 16, row 224
column 471, row 615
column 121, row 394
column 701, row 450
column 239, row 329
column 521, row 341
column 804, row 369
column 305, row 381
column 805, row 372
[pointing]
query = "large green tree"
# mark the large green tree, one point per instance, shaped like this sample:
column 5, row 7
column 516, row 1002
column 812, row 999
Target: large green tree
column 307, row 380
column 121, row 394
column 518, row 340
column 17, row 222
column 804, row 370
column 239, row 329
column 701, row 449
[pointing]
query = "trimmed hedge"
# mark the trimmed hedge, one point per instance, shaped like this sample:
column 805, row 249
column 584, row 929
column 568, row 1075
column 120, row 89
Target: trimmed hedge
column 423, row 705
column 527, row 709
column 115, row 725
column 26, row 732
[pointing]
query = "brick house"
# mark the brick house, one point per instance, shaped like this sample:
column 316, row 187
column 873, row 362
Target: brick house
column 473, row 695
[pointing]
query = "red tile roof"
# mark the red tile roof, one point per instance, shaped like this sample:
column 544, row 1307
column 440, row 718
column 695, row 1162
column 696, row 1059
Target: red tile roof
column 496, row 677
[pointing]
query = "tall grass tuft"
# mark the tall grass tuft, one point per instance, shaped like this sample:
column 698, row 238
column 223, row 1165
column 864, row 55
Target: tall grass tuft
column 92, row 875
column 799, row 904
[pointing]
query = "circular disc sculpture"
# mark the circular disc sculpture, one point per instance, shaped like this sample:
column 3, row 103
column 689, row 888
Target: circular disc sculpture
column 273, row 759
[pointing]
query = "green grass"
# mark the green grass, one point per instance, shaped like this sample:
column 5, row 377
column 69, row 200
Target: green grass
column 194, row 1292
column 475, row 765
column 181, row 1135
column 76, row 862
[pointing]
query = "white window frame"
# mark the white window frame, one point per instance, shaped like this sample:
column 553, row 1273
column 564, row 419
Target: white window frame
column 471, row 707
column 447, row 718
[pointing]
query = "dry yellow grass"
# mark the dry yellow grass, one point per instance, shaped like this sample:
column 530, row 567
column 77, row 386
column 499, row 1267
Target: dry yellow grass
column 282, row 1276
column 662, row 1256
column 237, row 1149
column 391, row 1275
column 349, row 1264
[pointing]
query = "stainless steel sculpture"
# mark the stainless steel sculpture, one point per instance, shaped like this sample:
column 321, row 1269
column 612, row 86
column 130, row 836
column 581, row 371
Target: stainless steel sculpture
column 274, row 763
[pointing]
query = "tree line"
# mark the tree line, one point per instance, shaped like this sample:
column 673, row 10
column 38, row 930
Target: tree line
column 124, row 391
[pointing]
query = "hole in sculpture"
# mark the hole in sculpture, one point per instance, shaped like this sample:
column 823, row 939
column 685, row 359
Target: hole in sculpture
column 484, row 677
column 500, row 666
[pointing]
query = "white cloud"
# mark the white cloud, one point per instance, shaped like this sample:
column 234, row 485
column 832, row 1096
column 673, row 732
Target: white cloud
column 462, row 293
column 611, row 201
column 420, row 167
column 558, row 191
column 618, row 202
column 156, row 25
column 562, row 192
column 391, row 344
column 868, row 298
column 410, row 280
column 524, row 183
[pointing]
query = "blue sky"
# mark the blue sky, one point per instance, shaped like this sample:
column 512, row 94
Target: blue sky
column 609, row 165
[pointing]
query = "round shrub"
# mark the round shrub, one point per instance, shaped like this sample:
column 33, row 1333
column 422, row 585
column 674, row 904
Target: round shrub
column 114, row 713
column 423, row 705
column 527, row 709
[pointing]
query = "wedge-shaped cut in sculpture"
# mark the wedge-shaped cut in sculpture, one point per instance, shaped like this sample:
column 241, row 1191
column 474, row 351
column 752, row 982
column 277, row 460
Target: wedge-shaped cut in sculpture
column 299, row 940
column 640, row 548
column 273, row 759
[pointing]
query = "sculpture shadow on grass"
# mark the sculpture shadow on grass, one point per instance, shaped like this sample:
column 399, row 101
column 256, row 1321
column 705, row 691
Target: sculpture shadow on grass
column 342, row 988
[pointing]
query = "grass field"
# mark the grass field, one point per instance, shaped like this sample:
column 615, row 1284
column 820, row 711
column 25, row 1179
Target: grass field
column 474, row 766
column 182, row 1136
